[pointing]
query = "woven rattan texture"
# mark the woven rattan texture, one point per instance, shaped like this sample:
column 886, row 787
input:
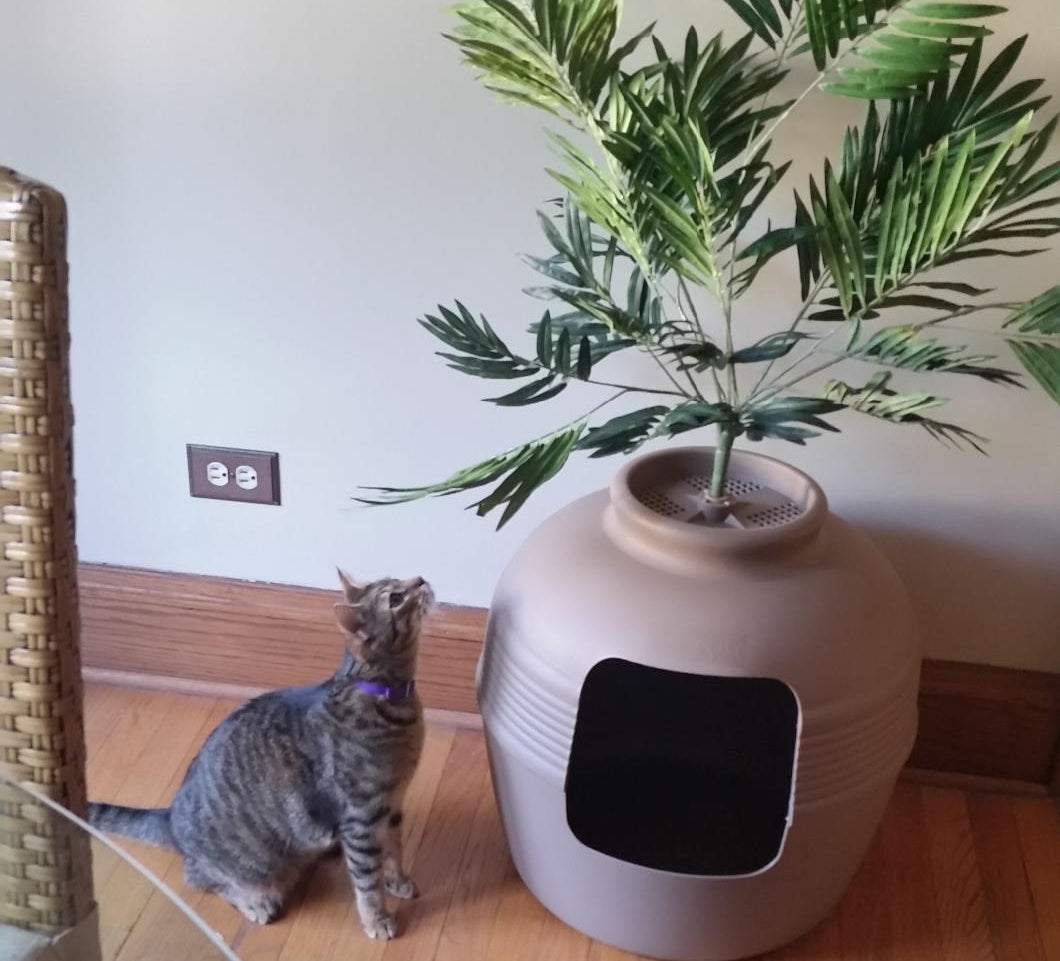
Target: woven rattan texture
column 45, row 869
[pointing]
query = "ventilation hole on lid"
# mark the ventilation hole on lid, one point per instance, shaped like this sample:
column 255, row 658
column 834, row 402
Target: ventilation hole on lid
column 774, row 516
column 735, row 487
column 741, row 488
column 659, row 503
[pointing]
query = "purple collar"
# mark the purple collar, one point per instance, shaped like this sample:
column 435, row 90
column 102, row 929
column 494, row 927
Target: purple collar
column 391, row 692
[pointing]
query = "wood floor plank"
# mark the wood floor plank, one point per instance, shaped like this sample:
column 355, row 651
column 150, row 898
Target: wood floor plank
column 1010, row 905
column 960, row 895
column 327, row 916
column 560, row 942
column 915, row 929
column 598, row 951
column 142, row 715
column 517, row 925
column 1038, row 824
column 419, row 799
column 144, row 781
column 257, row 942
column 823, row 943
column 102, row 706
column 865, row 921
column 468, row 923
column 445, row 838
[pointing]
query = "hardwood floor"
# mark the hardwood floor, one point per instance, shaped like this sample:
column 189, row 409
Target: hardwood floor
column 952, row 876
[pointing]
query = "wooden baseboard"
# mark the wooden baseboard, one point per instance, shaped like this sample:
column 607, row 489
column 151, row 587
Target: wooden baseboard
column 213, row 635
column 249, row 635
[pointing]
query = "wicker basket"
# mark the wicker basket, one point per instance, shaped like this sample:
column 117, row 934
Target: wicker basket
column 45, row 868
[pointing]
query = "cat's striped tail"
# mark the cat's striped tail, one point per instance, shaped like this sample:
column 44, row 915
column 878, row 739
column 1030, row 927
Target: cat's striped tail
column 141, row 824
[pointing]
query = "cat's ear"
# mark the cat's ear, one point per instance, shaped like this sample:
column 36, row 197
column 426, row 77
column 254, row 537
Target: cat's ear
column 353, row 591
column 349, row 619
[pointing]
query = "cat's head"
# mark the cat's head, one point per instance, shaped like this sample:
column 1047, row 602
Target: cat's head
column 381, row 621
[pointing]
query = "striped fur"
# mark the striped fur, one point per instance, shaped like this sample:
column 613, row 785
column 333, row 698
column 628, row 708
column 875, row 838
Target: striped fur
column 292, row 773
column 144, row 824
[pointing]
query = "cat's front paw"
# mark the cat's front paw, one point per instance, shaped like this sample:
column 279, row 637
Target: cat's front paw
column 403, row 887
column 381, row 928
column 261, row 909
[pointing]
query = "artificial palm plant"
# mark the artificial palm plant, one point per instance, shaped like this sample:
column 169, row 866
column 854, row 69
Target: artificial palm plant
column 665, row 161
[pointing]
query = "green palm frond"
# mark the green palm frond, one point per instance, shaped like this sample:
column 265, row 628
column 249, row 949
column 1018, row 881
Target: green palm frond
column 768, row 20
column 898, row 45
column 876, row 399
column 789, row 418
column 1033, row 333
column 904, row 347
column 517, row 472
column 936, row 210
column 623, row 434
column 872, row 49
column 556, row 57
column 481, row 353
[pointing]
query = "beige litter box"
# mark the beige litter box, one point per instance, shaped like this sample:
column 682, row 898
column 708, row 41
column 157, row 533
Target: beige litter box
column 694, row 727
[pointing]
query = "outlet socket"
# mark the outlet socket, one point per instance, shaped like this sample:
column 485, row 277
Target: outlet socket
column 231, row 474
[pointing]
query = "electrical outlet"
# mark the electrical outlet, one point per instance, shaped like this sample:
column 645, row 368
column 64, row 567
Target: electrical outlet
column 231, row 474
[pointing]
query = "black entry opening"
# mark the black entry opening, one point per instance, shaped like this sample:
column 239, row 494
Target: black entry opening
column 682, row 772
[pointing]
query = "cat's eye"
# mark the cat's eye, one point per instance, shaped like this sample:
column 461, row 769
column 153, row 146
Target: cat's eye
column 397, row 598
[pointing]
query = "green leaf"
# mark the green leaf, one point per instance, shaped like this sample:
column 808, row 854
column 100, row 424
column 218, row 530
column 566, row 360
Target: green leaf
column 768, row 348
column 902, row 54
column 694, row 415
column 532, row 393
column 934, row 30
column 774, row 241
column 562, row 355
column 956, row 287
column 476, row 348
column 918, row 300
column 783, row 417
column 518, row 473
column 808, row 250
column 760, row 16
column 1040, row 315
column 956, row 11
column 544, row 340
column 877, row 399
column 1042, row 362
column 906, row 348
column 585, row 359
column 1034, row 336
column 696, row 355
column 622, row 434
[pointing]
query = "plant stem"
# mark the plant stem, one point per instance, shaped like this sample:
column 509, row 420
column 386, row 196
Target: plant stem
column 637, row 390
column 726, row 436
column 810, row 299
column 730, row 367
column 683, row 291
column 666, row 370
column 682, row 287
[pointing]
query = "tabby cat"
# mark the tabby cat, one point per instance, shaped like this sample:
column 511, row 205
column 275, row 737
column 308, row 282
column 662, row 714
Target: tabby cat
column 293, row 772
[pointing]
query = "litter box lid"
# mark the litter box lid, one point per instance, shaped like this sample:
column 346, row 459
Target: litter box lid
column 660, row 505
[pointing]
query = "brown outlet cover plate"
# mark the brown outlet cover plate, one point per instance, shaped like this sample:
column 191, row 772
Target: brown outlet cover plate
column 252, row 476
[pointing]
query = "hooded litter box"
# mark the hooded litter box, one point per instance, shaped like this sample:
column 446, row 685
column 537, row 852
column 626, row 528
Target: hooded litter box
column 694, row 725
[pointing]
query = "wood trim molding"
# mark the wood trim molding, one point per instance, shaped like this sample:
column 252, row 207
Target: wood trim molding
column 210, row 634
